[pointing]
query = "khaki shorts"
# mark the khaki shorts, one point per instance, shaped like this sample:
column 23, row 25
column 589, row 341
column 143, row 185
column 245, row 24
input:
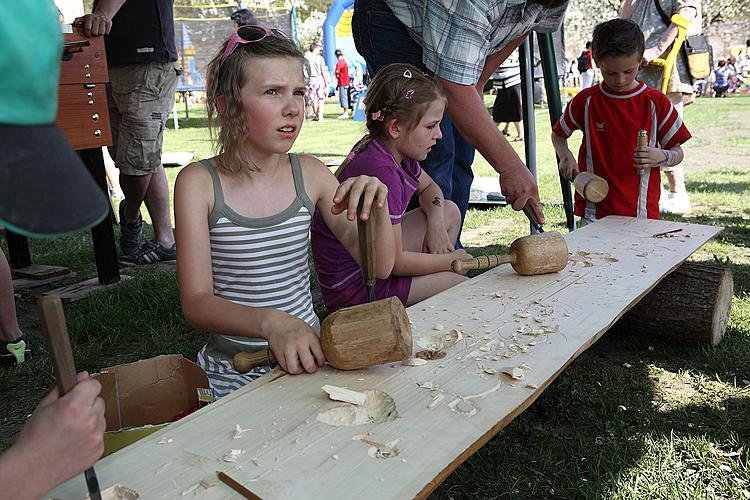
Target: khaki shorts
column 140, row 98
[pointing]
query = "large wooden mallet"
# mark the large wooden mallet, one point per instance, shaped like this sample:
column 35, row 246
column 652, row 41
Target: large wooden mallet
column 353, row 338
column 530, row 255
column 56, row 335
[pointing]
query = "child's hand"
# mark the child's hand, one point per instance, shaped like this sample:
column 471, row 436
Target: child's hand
column 296, row 347
column 568, row 166
column 370, row 190
column 436, row 240
column 648, row 157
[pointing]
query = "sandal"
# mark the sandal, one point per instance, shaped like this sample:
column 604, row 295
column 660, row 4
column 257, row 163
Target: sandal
column 517, row 139
column 506, row 133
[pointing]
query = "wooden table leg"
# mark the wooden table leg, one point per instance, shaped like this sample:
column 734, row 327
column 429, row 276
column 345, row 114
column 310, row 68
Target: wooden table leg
column 103, row 234
column 18, row 250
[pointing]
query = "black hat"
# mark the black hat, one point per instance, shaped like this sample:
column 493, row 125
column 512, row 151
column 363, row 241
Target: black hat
column 45, row 190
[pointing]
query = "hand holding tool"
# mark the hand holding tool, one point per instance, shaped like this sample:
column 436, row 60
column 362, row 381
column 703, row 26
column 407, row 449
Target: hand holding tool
column 56, row 335
column 353, row 338
column 531, row 215
column 529, row 255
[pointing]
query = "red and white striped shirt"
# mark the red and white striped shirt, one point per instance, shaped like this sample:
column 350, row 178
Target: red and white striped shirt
column 610, row 122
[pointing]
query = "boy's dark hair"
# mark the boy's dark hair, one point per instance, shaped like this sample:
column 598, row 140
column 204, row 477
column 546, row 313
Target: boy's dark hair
column 314, row 45
column 588, row 45
column 400, row 91
column 338, row 52
column 617, row 37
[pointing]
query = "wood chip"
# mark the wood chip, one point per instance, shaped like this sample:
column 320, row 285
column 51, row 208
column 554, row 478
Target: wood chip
column 414, row 362
column 514, row 373
column 346, row 395
column 430, row 355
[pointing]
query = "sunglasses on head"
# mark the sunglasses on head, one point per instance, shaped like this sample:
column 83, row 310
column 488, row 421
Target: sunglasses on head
column 249, row 34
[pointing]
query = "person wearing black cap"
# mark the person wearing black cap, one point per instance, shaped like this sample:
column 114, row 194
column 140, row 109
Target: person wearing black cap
column 45, row 191
column 243, row 17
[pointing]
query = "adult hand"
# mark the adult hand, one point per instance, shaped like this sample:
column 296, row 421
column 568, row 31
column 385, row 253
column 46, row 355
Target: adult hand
column 649, row 55
column 296, row 346
column 568, row 166
column 519, row 187
column 370, row 190
column 94, row 24
column 63, row 437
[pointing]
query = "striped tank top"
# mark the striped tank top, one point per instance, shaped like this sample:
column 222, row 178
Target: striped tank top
column 257, row 262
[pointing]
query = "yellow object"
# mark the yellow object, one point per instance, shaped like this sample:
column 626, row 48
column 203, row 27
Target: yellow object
column 669, row 63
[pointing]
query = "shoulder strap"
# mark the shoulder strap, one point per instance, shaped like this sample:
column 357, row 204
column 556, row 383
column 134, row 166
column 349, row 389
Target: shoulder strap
column 662, row 14
column 299, row 183
column 218, row 192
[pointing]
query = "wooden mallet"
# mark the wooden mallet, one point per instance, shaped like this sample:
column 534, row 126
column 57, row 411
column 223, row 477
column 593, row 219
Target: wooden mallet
column 530, row 255
column 592, row 187
column 56, row 335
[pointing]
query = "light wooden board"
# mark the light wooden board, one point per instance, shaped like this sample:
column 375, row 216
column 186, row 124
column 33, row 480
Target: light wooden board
column 289, row 454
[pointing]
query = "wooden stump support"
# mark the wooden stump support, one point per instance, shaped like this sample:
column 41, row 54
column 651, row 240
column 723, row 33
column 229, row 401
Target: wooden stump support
column 691, row 304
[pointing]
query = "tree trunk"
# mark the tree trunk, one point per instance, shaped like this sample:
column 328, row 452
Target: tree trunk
column 690, row 304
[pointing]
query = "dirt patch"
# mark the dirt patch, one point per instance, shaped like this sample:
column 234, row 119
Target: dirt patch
column 675, row 386
column 704, row 155
column 487, row 234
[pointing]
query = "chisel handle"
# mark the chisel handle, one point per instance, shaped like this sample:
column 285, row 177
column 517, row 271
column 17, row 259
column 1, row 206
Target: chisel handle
column 366, row 237
column 481, row 262
column 56, row 335
column 245, row 361
column 642, row 140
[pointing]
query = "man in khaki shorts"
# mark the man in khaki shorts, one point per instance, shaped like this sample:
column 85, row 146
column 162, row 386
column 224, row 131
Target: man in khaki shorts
column 141, row 55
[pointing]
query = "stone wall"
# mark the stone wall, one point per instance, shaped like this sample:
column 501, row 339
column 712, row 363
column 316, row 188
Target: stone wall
column 725, row 35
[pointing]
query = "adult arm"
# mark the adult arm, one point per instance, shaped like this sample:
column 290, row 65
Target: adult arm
column 99, row 22
column 293, row 342
column 669, row 36
column 63, row 437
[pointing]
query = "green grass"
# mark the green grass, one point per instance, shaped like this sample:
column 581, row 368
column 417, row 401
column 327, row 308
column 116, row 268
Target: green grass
column 685, row 430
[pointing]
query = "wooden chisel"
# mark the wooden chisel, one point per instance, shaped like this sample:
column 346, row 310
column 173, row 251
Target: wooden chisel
column 56, row 335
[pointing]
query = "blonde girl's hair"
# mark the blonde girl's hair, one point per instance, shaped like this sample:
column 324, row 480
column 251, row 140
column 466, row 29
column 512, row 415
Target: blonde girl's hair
column 400, row 91
column 225, row 81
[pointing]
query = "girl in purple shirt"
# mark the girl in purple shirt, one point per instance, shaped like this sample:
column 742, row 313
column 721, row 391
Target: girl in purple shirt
column 404, row 108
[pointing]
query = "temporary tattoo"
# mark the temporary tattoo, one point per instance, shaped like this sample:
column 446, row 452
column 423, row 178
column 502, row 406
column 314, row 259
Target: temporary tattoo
column 436, row 201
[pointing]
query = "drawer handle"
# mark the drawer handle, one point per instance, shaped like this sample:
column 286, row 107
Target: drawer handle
column 87, row 75
column 91, row 102
column 98, row 133
column 86, row 66
column 89, row 94
column 95, row 117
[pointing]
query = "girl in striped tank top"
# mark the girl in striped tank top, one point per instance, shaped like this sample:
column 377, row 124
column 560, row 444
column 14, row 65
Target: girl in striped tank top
column 243, row 216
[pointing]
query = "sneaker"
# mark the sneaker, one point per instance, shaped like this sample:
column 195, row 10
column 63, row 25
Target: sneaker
column 150, row 252
column 343, row 116
column 15, row 351
column 130, row 232
column 675, row 203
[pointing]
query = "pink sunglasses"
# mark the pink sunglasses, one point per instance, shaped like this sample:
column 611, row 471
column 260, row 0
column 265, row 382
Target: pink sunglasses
column 249, row 34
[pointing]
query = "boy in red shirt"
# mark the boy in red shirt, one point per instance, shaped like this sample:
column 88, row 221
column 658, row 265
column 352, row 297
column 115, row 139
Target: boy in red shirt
column 610, row 115
column 343, row 82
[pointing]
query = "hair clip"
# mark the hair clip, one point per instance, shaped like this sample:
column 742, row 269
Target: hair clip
column 407, row 74
column 377, row 115
column 409, row 94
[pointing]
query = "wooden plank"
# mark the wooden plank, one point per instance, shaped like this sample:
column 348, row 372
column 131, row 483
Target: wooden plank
column 40, row 271
column 27, row 283
column 78, row 291
column 290, row 454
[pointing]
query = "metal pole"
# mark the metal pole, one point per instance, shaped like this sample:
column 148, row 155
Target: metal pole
column 552, row 88
column 525, row 54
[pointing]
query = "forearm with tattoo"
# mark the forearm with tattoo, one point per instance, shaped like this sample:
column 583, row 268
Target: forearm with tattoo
column 436, row 201
column 670, row 158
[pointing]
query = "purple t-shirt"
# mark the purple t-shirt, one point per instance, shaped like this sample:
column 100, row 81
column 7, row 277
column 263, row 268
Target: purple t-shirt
column 337, row 270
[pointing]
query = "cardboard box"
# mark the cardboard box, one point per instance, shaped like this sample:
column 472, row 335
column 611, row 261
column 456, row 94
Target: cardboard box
column 144, row 396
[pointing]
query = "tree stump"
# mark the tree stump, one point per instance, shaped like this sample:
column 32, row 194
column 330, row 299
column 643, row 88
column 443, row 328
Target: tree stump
column 690, row 304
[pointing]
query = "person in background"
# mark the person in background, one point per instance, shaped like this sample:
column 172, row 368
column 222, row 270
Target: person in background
column 722, row 78
column 586, row 67
column 319, row 82
column 343, row 83
column 242, row 17
column 660, row 33
column 14, row 345
column 141, row 93
column 507, row 106
column 45, row 191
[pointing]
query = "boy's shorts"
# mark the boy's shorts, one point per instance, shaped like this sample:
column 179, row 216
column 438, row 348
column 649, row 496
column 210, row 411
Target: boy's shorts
column 344, row 97
column 318, row 90
column 140, row 98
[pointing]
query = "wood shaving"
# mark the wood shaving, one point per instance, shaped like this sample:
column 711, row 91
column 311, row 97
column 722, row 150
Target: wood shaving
column 436, row 400
column 345, row 395
column 463, row 407
column 489, row 371
column 485, row 348
column 414, row 362
column 335, row 457
column 438, row 327
column 514, row 373
column 532, row 386
column 165, row 440
column 238, row 431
